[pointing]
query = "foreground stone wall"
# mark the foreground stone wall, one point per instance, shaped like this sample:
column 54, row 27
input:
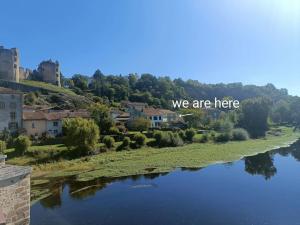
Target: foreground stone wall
column 15, row 195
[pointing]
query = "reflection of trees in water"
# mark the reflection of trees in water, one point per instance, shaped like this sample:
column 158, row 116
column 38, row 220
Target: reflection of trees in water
column 261, row 164
column 54, row 200
column 191, row 169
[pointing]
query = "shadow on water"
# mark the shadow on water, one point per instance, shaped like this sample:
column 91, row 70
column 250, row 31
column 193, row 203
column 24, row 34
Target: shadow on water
column 260, row 164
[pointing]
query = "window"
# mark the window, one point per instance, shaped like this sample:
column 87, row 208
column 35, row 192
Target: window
column 55, row 124
column 159, row 117
column 12, row 116
column 13, row 105
column 33, row 125
column 154, row 117
column 55, row 132
column 2, row 105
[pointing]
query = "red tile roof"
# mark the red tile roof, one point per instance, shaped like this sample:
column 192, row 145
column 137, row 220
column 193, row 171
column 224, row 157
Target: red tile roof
column 55, row 115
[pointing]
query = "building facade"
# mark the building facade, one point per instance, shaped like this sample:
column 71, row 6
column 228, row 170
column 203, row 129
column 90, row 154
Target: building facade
column 11, row 110
column 49, row 72
column 9, row 64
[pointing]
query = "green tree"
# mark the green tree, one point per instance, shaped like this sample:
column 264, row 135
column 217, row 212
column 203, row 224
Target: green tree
column 101, row 114
column 139, row 124
column 254, row 116
column 81, row 133
column 22, row 143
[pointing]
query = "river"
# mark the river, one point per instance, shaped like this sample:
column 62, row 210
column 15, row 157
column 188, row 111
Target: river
column 257, row 190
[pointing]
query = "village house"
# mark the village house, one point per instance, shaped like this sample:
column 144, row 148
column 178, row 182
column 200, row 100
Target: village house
column 159, row 117
column 38, row 123
column 11, row 103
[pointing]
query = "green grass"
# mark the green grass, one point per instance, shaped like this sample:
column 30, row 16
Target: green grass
column 47, row 86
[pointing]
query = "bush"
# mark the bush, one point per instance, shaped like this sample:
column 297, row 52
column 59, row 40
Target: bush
column 181, row 134
column 126, row 142
column 223, row 137
column 240, row 134
column 158, row 136
column 114, row 131
column 139, row 124
column 204, row 138
column 189, row 134
column 140, row 140
column 22, row 143
column 108, row 141
column 81, row 133
column 167, row 139
column 2, row 147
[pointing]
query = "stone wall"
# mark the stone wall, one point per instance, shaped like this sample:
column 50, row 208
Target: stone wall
column 15, row 194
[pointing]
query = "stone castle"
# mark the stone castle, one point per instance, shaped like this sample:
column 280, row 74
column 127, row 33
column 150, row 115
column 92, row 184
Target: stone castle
column 10, row 69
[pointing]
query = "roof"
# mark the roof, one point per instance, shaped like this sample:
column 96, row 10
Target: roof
column 8, row 91
column 134, row 103
column 55, row 115
column 155, row 112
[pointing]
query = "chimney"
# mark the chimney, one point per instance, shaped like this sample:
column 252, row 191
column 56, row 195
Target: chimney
column 2, row 160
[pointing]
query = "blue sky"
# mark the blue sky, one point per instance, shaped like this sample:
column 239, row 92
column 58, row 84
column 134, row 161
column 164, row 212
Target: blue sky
column 249, row 41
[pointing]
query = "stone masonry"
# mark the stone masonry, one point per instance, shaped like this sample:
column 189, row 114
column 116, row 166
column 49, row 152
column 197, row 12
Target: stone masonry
column 14, row 194
column 9, row 64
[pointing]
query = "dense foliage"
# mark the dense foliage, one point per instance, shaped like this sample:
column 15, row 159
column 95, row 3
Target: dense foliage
column 82, row 134
column 22, row 143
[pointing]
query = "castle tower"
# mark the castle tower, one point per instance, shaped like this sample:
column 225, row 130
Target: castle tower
column 9, row 64
column 50, row 72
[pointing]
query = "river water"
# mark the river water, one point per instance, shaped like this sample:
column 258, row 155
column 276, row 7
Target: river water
column 257, row 190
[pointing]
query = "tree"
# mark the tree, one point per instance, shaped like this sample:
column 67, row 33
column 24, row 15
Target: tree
column 101, row 114
column 80, row 81
column 254, row 116
column 81, row 133
column 22, row 143
column 139, row 124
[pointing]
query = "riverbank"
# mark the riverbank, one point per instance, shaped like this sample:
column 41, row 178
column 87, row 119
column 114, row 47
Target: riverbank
column 153, row 160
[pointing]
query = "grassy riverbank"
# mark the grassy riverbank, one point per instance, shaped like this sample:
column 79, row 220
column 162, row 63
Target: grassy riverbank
column 153, row 160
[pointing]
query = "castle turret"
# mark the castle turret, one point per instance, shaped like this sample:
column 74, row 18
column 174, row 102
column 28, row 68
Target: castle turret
column 50, row 72
column 9, row 64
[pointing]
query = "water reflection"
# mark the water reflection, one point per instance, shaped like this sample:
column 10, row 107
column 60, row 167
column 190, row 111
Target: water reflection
column 261, row 164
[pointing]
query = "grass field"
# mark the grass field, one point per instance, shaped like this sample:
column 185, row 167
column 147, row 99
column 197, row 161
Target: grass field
column 48, row 86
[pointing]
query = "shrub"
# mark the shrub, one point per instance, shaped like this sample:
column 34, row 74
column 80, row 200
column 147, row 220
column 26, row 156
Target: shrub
column 204, row 138
column 240, row 134
column 22, row 143
column 223, row 137
column 108, row 141
column 167, row 139
column 190, row 133
column 81, row 133
column 139, row 124
column 175, row 139
column 114, row 131
column 126, row 142
column 140, row 140
column 181, row 134
column 2, row 147
column 158, row 136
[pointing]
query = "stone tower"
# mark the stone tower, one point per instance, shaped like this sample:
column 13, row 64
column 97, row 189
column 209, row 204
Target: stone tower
column 50, row 72
column 9, row 64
